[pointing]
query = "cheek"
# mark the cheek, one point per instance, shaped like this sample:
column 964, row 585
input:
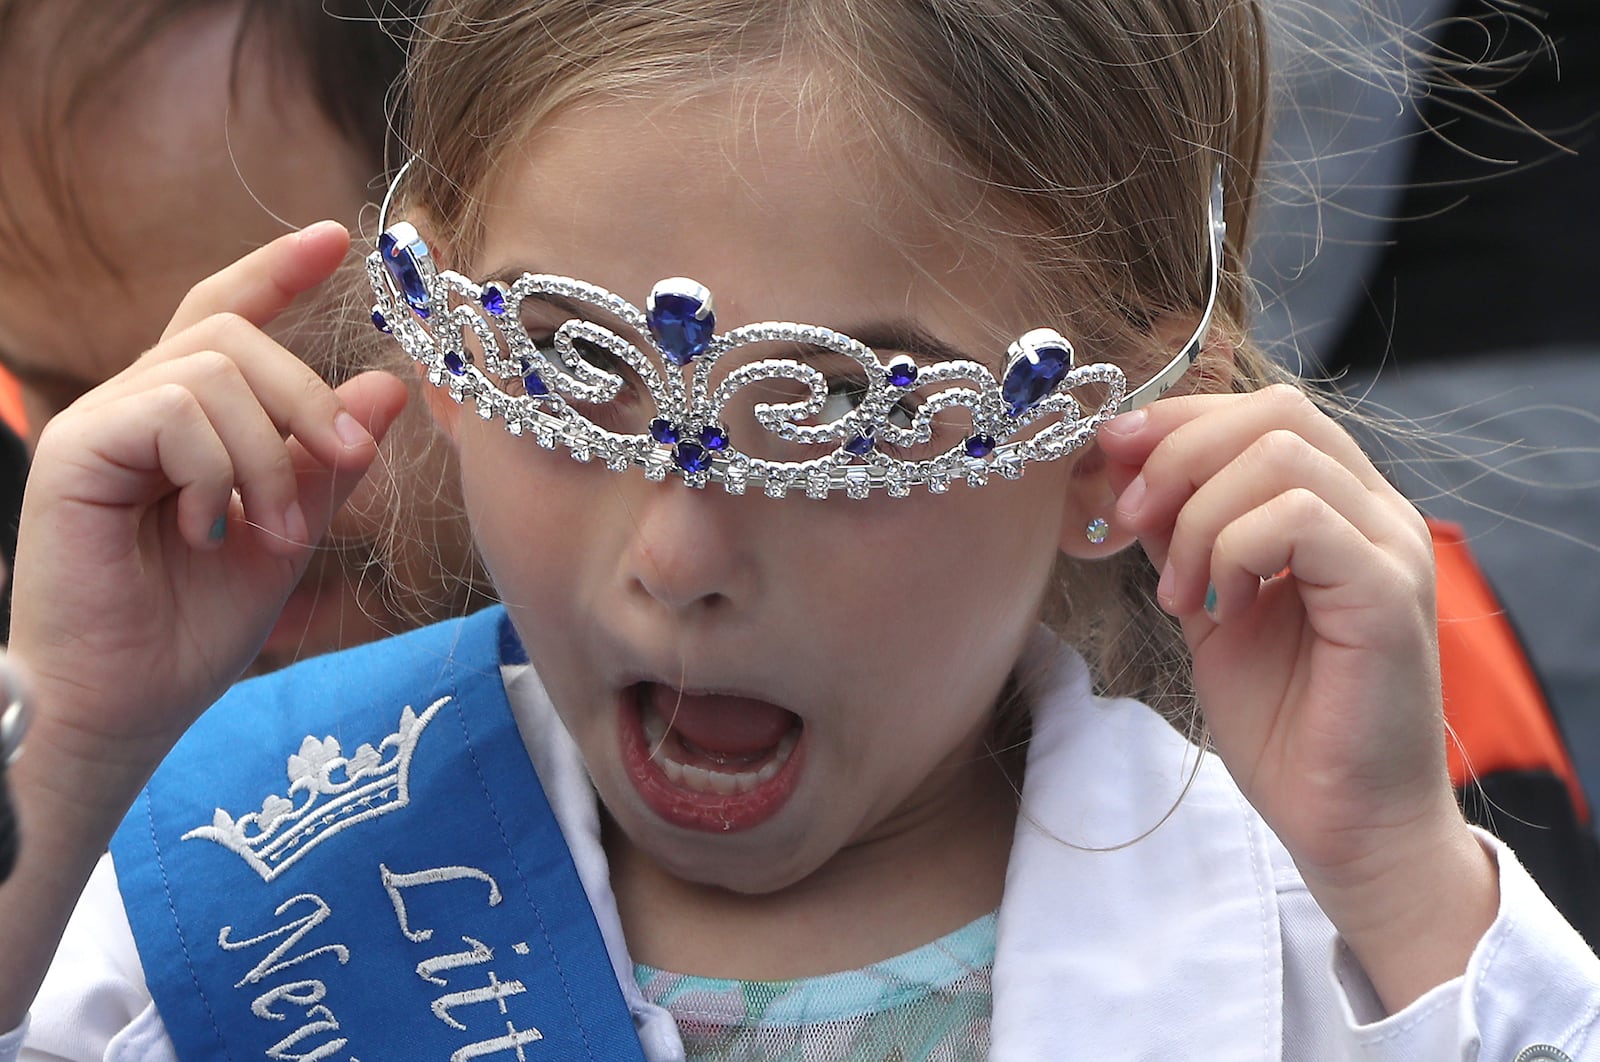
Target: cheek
column 531, row 516
column 967, row 559
column 946, row 593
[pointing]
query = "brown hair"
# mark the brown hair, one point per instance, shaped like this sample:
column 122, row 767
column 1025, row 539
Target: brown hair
column 71, row 54
column 1087, row 131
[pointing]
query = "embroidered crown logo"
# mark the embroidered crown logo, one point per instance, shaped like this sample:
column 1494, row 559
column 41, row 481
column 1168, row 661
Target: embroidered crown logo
column 327, row 792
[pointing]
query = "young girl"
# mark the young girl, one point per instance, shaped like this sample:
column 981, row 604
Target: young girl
column 778, row 776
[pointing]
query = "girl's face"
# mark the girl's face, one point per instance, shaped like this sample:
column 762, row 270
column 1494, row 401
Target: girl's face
column 825, row 670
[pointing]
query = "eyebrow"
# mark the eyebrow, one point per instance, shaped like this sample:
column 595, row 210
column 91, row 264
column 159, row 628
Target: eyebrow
column 905, row 338
column 902, row 337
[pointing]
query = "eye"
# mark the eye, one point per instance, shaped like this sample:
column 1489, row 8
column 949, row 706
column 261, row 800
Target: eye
column 591, row 352
column 845, row 394
column 542, row 317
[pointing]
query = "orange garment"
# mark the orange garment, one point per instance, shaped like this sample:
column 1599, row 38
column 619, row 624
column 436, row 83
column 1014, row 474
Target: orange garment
column 11, row 405
column 1493, row 703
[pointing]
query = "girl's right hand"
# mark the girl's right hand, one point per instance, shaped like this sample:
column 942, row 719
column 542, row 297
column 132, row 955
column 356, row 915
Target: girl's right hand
column 170, row 511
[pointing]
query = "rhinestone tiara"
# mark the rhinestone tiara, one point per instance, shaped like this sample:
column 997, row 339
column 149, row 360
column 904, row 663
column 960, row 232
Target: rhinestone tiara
column 671, row 348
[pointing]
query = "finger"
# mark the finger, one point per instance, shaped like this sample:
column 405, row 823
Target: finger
column 136, row 466
column 1274, row 464
column 1179, row 443
column 373, row 400
column 298, row 401
column 254, row 449
column 264, row 472
column 262, row 284
column 1351, row 586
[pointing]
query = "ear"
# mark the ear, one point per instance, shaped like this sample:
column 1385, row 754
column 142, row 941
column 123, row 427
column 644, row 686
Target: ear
column 1091, row 499
column 1094, row 483
column 445, row 411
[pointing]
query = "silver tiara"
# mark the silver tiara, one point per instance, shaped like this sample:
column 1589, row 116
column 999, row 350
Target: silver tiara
column 849, row 420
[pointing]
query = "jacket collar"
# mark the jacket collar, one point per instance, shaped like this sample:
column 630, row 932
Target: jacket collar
column 1140, row 918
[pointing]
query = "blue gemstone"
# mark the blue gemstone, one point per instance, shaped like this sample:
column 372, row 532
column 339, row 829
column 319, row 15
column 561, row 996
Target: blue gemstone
column 691, row 457
column 860, row 445
column 379, row 322
column 493, row 299
column 681, row 325
column 979, row 445
column 534, row 384
column 663, row 431
column 455, row 362
column 714, row 438
column 902, row 372
column 403, row 254
column 1033, row 375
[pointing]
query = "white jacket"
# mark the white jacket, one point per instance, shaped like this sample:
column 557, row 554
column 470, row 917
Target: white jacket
column 1140, row 926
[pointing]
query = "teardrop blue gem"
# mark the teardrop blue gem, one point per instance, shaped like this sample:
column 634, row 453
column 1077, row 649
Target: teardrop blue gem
column 692, row 457
column 534, row 384
column 663, row 431
column 1033, row 376
column 493, row 299
column 902, row 373
column 680, row 334
column 454, row 362
column 714, row 438
column 379, row 322
column 402, row 262
column 860, row 445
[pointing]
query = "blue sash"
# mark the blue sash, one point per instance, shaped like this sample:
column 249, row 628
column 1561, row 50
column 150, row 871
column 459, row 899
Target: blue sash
column 402, row 891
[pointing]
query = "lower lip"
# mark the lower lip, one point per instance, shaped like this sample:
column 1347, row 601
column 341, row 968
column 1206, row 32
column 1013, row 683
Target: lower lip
column 694, row 809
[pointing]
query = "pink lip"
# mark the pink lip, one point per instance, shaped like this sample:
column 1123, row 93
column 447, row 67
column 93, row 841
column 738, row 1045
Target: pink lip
column 693, row 809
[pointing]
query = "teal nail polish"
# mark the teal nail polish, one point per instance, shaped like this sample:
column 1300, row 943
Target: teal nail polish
column 219, row 528
column 1211, row 599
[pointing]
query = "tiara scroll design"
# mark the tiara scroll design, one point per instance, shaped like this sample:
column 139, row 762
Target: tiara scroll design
column 328, row 792
column 670, row 351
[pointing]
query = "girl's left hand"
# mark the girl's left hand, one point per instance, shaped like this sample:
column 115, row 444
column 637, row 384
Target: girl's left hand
column 1304, row 584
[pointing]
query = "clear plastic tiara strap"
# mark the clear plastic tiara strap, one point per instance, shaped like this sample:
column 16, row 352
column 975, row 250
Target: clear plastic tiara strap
column 879, row 434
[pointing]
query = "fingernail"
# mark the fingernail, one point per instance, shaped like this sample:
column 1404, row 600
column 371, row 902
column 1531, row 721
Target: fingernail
column 1126, row 423
column 1132, row 499
column 1211, row 601
column 294, row 524
column 219, row 528
column 1164, row 587
column 316, row 227
column 350, row 431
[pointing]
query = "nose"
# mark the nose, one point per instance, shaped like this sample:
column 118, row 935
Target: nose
column 695, row 552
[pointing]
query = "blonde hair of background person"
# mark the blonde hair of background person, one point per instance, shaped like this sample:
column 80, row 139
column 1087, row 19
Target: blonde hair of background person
column 970, row 170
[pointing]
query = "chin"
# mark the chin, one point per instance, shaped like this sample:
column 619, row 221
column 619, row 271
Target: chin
column 752, row 863
column 754, row 875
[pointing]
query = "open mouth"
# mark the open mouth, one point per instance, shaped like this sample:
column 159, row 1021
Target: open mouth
column 710, row 761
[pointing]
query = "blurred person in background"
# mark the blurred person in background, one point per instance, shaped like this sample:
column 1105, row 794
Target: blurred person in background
column 144, row 145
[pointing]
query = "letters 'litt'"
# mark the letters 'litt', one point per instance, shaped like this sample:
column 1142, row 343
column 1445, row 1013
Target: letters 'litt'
column 883, row 436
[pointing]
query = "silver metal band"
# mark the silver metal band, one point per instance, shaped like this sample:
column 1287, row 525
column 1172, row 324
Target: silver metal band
column 13, row 717
column 1173, row 371
column 526, row 385
column 1145, row 393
